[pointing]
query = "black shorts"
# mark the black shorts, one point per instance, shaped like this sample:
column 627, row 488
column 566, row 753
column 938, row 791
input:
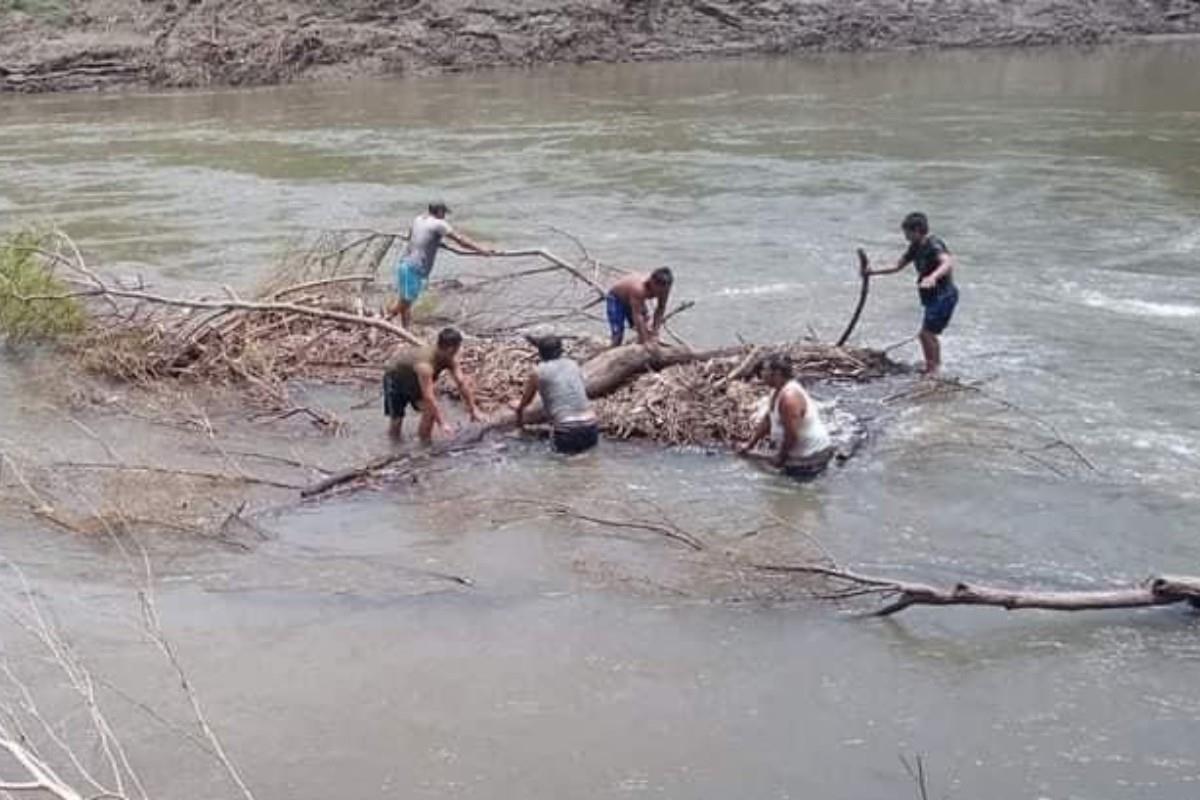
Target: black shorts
column 396, row 396
column 571, row 439
column 811, row 467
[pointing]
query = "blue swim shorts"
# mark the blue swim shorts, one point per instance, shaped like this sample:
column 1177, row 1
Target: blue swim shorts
column 410, row 281
column 620, row 316
column 939, row 310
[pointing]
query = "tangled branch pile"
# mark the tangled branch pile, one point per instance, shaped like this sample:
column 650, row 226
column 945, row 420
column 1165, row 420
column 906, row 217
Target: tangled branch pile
column 320, row 317
column 713, row 401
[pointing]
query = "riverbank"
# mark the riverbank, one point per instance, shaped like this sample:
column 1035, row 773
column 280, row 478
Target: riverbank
column 63, row 45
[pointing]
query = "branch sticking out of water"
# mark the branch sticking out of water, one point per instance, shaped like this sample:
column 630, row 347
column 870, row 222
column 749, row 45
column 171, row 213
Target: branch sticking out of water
column 1156, row 591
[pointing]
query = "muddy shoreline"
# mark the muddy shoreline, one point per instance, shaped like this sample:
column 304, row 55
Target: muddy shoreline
column 65, row 45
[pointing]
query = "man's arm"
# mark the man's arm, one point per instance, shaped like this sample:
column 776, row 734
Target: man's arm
column 660, row 312
column 791, row 411
column 761, row 431
column 531, row 386
column 469, row 243
column 644, row 334
column 944, row 267
column 904, row 261
column 465, row 389
column 635, row 299
column 429, row 401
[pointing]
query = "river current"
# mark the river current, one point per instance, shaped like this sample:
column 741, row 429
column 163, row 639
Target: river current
column 1066, row 182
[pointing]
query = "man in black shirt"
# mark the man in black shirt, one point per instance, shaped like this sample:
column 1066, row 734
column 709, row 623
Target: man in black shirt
column 935, row 284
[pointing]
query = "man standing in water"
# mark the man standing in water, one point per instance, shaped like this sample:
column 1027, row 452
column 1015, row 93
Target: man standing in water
column 559, row 381
column 416, row 262
column 626, row 305
column 935, row 284
column 792, row 423
column 411, row 379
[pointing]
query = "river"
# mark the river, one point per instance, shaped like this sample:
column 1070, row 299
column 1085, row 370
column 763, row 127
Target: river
column 335, row 661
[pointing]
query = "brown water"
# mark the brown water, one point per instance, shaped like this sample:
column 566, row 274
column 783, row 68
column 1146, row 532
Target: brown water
column 338, row 662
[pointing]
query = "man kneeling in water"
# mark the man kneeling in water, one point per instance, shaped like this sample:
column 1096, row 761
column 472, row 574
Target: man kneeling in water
column 410, row 381
column 559, row 380
column 792, row 422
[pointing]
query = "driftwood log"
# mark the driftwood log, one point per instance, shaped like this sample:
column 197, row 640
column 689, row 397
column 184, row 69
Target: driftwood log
column 1156, row 591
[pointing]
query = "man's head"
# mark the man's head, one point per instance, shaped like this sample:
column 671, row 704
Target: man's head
column 660, row 281
column 915, row 226
column 549, row 346
column 438, row 209
column 448, row 341
column 777, row 370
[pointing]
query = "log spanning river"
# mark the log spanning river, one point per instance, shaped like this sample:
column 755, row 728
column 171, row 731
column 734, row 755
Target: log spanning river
column 336, row 659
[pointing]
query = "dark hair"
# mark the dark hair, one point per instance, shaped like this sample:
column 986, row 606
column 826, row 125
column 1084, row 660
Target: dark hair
column 778, row 362
column 549, row 347
column 437, row 207
column 448, row 337
column 662, row 276
column 916, row 221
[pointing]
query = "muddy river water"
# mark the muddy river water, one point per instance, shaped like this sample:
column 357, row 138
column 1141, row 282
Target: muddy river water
column 336, row 661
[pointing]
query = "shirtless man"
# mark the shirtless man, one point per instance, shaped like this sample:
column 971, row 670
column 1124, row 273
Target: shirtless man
column 410, row 381
column 792, row 423
column 416, row 262
column 626, row 305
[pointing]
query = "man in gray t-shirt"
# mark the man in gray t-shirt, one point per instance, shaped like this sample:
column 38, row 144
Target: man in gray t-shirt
column 420, row 251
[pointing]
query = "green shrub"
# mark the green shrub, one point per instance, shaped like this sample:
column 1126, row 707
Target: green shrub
column 24, row 274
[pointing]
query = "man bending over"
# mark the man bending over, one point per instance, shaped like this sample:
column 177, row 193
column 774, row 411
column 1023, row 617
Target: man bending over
column 559, row 381
column 627, row 300
column 410, row 382
column 792, row 423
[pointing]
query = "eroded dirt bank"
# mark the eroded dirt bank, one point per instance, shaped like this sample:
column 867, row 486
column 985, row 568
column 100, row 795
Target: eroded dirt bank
column 54, row 45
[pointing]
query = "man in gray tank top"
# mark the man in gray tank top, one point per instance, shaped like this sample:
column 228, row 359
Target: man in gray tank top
column 559, row 381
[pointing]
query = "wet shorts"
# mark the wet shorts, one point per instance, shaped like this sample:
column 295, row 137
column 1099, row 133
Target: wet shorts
column 410, row 281
column 811, row 466
column 939, row 310
column 572, row 439
column 620, row 316
column 396, row 396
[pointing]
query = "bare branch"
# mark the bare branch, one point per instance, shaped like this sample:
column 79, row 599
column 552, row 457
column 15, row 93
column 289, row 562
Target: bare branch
column 1158, row 591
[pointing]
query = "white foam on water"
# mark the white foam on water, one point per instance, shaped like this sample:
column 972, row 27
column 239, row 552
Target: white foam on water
column 1140, row 308
column 767, row 288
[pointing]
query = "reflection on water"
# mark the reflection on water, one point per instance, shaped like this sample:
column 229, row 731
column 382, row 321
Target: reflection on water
column 591, row 662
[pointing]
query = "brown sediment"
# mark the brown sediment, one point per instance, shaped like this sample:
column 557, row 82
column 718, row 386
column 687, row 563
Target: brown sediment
column 57, row 45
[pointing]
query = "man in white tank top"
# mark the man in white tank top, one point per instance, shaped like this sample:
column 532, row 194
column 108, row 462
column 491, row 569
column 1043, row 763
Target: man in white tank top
column 792, row 423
